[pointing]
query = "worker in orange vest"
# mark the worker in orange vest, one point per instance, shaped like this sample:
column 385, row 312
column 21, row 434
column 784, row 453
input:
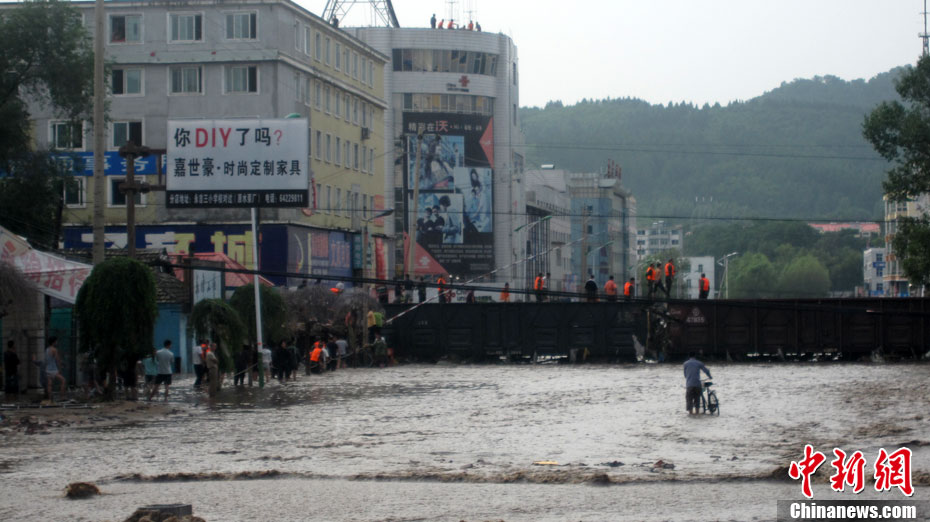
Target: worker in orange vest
column 316, row 366
column 629, row 288
column 669, row 276
column 441, row 282
column 703, row 287
column 538, row 287
column 610, row 288
column 505, row 293
column 651, row 276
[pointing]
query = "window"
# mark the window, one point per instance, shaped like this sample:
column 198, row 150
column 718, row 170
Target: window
column 186, row 80
column 355, row 65
column 241, row 26
column 319, row 144
column 338, row 56
column 117, row 198
column 329, row 147
column 242, row 79
column 329, row 203
column 346, row 56
column 319, row 48
column 347, row 107
column 338, row 150
column 186, row 27
column 318, row 95
column 305, row 46
column 66, row 135
column 337, row 202
column 124, row 82
column 125, row 28
column 371, row 161
column 355, row 111
column 371, row 74
column 327, row 51
column 346, row 156
column 326, row 97
column 124, row 131
column 514, row 73
column 307, row 84
column 364, row 72
column 364, row 157
column 364, row 114
column 337, row 111
column 355, row 156
column 74, row 192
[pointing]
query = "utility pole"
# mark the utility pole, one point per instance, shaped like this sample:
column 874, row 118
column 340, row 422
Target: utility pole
column 584, row 241
column 925, row 36
column 411, row 222
column 131, row 151
column 99, row 145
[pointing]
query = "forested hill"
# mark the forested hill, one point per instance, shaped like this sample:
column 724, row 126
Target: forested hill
column 795, row 152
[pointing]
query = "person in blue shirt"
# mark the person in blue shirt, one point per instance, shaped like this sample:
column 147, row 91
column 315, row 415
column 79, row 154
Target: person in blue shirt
column 693, row 368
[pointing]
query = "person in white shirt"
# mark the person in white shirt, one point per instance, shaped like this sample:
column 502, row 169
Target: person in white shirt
column 266, row 362
column 164, row 360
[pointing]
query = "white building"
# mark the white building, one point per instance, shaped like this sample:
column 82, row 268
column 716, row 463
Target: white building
column 896, row 283
column 548, row 204
column 461, row 90
column 658, row 238
column 873, row 272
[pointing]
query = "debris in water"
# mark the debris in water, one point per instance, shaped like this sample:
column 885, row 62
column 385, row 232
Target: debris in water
column 77, row 490
column 612, row 464
column 545, row 463
column 661, row 464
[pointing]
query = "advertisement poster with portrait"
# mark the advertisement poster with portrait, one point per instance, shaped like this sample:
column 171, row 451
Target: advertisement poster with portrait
column 452, row 219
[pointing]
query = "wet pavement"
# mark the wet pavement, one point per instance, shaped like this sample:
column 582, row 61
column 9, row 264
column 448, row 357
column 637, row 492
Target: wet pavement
column 449, row 442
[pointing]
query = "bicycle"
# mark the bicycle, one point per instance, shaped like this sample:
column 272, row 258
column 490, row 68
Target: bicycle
column 709, row 401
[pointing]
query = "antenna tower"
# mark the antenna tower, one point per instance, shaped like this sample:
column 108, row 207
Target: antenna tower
column 382, row 11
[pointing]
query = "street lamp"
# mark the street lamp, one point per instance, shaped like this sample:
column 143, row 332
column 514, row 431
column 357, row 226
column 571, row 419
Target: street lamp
column 365, row 222
column 528, row 226
column 726, row 272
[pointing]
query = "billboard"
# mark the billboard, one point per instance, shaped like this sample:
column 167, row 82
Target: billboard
column 452, row 219
column 237, row 163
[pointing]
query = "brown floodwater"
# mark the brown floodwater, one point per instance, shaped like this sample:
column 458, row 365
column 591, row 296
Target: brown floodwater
column 452, row 442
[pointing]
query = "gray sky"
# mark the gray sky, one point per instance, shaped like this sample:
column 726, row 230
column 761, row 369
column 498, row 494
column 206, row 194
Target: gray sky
column 682, row 50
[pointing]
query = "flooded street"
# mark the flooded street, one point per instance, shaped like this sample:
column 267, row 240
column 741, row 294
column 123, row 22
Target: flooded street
column 448, row 442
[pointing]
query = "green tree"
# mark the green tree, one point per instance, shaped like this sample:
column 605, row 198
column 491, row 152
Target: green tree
column 116, row 312
column 900, row 133
column 752, row 276
column 804, row 276
column 274, row 312
column 214, row 319
column 47, row 60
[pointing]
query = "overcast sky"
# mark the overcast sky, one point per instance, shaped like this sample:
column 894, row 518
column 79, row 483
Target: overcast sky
column 682, row 50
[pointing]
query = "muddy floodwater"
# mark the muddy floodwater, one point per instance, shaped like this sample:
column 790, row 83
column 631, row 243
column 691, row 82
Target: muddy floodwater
column 449, row 442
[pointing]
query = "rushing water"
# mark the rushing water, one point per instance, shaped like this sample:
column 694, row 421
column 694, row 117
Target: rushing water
column 460, row 442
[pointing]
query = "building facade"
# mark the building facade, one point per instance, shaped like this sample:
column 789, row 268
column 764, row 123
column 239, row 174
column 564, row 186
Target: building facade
column 690, row 278
column 548, row 225
column 658, row 238
column 465, row 195
column 873, row 272
column 895, row 282
column 602, row 227
column 196, row 59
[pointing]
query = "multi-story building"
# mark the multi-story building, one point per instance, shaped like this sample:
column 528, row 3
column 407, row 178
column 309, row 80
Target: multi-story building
column 602, row 225
column 658, row 238
column 548, row 227
column 199, row 59
column 896, row 283
column 873, row 272
column 460, row 90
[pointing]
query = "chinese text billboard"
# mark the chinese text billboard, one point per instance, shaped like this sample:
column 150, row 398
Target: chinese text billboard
column 237, row 163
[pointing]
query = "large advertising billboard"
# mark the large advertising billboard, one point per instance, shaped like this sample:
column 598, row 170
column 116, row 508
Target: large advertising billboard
column 237, row 163
column 451, row 220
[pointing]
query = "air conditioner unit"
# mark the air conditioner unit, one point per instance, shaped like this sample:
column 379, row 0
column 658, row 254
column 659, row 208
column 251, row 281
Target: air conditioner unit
column 366, row 133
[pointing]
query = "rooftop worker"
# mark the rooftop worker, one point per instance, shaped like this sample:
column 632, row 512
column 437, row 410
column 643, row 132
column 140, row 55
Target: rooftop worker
column 477, row 27
column 538, row 286
column 651, row 276
column 451, row 23
column 440, row 23
column 334, row 21
column 505, row 293
column 432, row 21
column 471, row 26
column 703, row 287
column 590, row 289
column 629, row 288
column 610, row 288
column 669, row 276
column 441, row 283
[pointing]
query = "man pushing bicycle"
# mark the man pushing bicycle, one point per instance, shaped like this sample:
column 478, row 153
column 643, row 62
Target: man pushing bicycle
column 693, row 368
